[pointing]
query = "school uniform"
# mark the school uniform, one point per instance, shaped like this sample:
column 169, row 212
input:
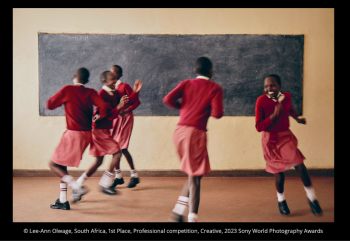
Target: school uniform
column 78, row 105
column 123, row 125
column 278, row 142
column 102, row 141
column 201, row 98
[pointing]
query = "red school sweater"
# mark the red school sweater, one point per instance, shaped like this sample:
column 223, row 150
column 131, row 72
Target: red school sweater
column 113, row 101
column 125, row 89
column 265, row 107
column 201, row 99
column 78, row 105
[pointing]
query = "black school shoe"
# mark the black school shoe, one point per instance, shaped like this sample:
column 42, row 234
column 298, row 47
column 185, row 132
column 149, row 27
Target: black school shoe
column 315, row 208
column 117, row 181
column 175, row 218
column 284, row 210
column 133, row 182
column 59, row 205
column 109, row 191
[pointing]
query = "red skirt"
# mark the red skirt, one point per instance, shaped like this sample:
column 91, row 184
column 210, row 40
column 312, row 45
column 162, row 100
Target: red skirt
column 191, row 144
column 102, row 143
column 281, row 151
column 71, row 148
column 122, row 128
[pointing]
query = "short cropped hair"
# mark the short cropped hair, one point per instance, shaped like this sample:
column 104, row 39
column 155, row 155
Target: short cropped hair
column 278, row 79
column 103, row 75
column 83, row 75
column 203, row 66
column 120, row 68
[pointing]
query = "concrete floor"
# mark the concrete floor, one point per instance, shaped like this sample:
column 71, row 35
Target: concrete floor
column 223, row 199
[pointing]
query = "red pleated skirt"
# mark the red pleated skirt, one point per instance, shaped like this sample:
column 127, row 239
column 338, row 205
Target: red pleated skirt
column 191, row 145
column 122, row 128
column 70, row 150
column 281, row 151
column 102, row 143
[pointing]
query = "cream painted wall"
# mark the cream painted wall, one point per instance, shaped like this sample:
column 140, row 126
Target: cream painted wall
column 233, row 142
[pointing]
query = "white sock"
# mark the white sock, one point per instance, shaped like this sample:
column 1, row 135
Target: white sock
column 280, row 197
column 106, row 179
column 82, row 179
column 192, row 217
column 118, row 173
column 70, row 181
column 310, row 193
column 181, row 205
column 133, row 173
column 63, row 192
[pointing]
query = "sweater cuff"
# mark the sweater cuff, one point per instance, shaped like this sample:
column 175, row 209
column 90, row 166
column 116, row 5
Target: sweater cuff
column 294, row 115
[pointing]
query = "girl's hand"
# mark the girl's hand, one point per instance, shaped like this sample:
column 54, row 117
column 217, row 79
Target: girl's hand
column 277, row 111
column 137, row 86
column 123, row 101
column 301, row 120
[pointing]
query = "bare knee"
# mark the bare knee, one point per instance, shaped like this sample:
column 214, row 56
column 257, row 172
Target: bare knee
column 99, row 160
column 52, row 164
column 194, row 182
column 301, row 168
column 279, row 176
column 118, row 153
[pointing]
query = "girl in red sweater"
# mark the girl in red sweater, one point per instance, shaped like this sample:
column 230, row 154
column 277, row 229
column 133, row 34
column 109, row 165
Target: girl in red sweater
column 279, row 145
column 78, row 104
column 201, row 98
column 102, row 142
column 122, row 128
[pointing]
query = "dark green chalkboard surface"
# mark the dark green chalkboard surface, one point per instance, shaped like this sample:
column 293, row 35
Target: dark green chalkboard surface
column 162, row 61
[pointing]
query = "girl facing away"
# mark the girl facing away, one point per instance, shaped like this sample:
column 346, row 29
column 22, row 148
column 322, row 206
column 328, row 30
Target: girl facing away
column 201, row 98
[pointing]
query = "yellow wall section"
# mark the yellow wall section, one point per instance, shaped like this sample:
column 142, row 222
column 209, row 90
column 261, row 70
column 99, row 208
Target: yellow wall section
column 233, row 142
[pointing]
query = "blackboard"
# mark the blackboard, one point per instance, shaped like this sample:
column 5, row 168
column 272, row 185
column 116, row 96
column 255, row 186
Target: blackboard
column 162, row 61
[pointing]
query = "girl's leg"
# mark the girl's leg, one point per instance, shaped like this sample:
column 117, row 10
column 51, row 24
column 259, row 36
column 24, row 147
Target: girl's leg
column 304, row 175
column 61, row 202
column 118, row 174
column 194, row 197
column 279, row 184
column 185, row 191
column 58, row 169
column 92, row 169
column 107, row 177
column 115, row 161
column 128, row 158
column 310, row 192
column 62, row 172
column 181, row 205
column 134, row 175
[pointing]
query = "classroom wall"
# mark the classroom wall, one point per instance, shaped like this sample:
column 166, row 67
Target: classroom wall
column 233, row 142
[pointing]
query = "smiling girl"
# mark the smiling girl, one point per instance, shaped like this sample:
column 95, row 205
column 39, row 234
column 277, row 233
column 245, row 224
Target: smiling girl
column 280, row 146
